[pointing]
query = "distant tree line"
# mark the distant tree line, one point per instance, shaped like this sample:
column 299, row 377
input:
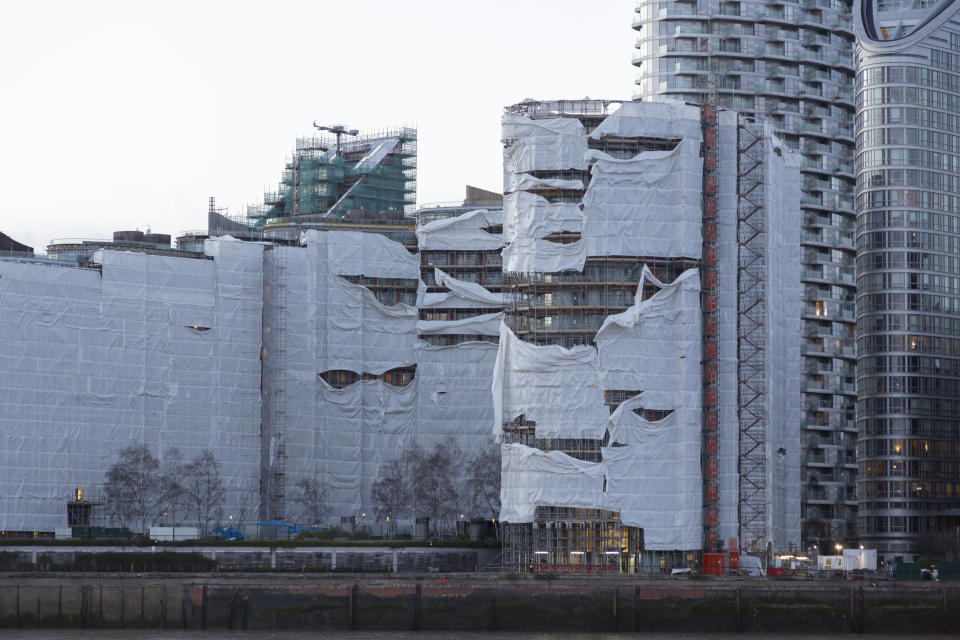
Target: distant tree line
column 442, row 484
column 141, row 490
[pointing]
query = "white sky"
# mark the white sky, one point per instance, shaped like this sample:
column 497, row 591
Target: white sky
column 120, row 115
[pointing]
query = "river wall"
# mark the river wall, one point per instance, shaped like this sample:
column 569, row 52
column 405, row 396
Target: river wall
column 474, row 603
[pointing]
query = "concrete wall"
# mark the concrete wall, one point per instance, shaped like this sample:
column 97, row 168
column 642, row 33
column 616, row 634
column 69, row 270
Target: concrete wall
column 438, row 602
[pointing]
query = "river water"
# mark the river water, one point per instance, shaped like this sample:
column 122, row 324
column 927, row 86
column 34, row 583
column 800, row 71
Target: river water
column 40, row 634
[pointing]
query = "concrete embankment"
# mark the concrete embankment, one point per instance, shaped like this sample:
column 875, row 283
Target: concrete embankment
column 473, row 602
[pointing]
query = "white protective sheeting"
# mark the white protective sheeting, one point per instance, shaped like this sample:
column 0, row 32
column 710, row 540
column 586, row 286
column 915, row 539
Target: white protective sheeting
column 528, row 217
column 669, row 120
column 728, row 428
column 461, row 295
column 655, row 344
column 465, row 232
column 648, row 205
column 354, row 331
column 357, row 429
column 650, row 475
column 525, row 181
column 553, row 144
column 94, row 362
column 557, row 388
column 653, row 480
column 531, row 478
column 355, row 253
column 341, row 437
column 487, row 324
column 783, row 341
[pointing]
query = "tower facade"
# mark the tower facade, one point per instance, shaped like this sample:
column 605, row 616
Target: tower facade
column 793, row 64
column 908, row 238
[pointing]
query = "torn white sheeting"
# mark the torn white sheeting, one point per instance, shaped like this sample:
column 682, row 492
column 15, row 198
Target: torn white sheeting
column 462, row 294
column 524, row 181
column 528, row 217
column 354, row 331
column 558, row 389
column 354, row 253
column 547, row 144
column 543, row 256
column 670, row 120
column 466, row 231
column 531, row 478
column 654, row 480
column 342, row 437
column 482, row 325
column 94, row 362
column 648, row 205
column 655, row 344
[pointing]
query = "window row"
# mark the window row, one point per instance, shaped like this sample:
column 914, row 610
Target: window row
column 909, row 95
column 911, row 281
column 910, row 157
column 902, row 524
column 908, row 301
column 914, row 448
column 933, row 407
column 909, row 364
column 928, row 240
column 908, row 75
column 928, row 386
column 909, row 342
column 927, row 427
column 910, row 322
column 914, row 219
column 910, row 136
column 909, row 115
column 930, row 262
column 909, row 178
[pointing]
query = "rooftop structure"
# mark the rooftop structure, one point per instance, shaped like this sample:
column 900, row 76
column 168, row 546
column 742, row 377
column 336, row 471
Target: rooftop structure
column 791, row 63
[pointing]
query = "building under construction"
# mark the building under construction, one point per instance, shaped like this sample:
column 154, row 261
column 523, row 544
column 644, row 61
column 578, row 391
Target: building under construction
column 342, row 173
column 641, row 418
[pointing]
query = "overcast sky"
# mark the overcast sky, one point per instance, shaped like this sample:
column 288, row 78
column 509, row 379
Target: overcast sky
column 123, row 115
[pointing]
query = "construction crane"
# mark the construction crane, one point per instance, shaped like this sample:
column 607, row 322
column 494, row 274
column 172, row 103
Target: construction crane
column 338, row 130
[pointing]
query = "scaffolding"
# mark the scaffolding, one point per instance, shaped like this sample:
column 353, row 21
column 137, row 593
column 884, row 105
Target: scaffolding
column 375, row 172
column 751, row 336
column 711, row 334
column 273, row 405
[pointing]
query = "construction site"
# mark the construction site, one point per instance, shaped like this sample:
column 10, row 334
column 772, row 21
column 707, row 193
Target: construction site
column 642, row 426
column 614, row 298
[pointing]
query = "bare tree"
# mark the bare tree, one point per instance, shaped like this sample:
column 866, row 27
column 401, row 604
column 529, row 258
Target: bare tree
column 435, row 484
column 391, row 494
column 204, row 486
column 174, row 500
column 312, row 499
column 483, row 483
column 132, row 485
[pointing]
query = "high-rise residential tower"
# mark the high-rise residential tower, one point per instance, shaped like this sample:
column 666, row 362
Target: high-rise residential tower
column 790, row 62
column 908, row 255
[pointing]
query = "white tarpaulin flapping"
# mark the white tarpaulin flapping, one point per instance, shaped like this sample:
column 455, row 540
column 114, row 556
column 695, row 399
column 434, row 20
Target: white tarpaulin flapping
column 647, row 205
column 466, row 231
column 653, row 477
column 156, row 350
